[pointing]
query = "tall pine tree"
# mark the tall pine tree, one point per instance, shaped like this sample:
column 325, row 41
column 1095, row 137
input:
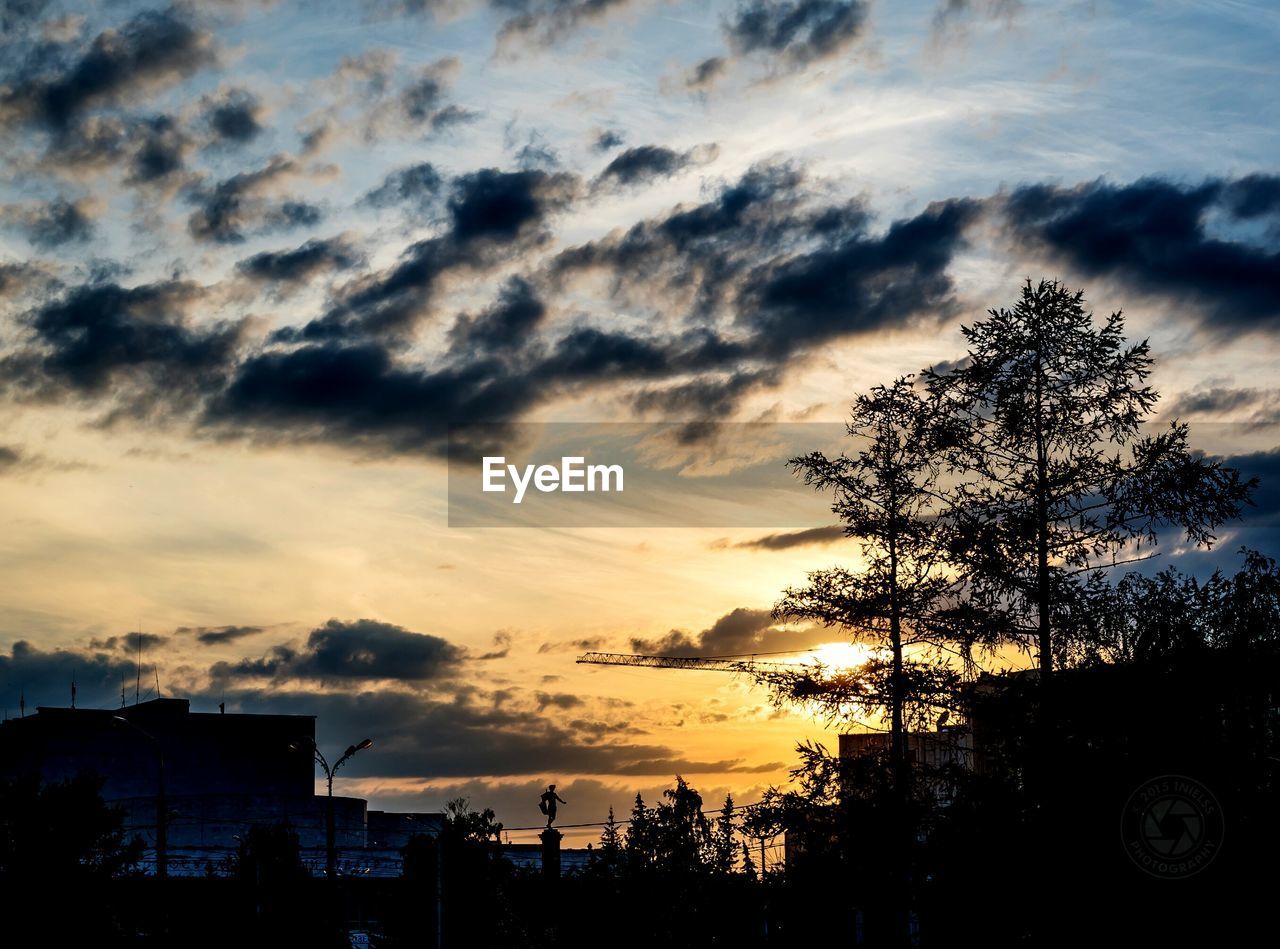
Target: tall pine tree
column 1053, row 475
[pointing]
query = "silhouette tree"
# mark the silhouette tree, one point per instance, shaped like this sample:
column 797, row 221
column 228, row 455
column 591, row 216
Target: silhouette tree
column 1145, row 618
column 640, row 838
column 270, row 857
column 62, row 831
column 763, row 824
column 479, row 906
column 682, row 831
column 409, row 916
column 269, row 866
column 724, row 849
column 61, row 847
column 611, row 853
column 887, row 495
column 465, row 826
column 676, row 838
column 1054, row 477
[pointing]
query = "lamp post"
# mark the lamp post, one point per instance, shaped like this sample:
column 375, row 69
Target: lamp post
column 162, row 828
column 331, row 852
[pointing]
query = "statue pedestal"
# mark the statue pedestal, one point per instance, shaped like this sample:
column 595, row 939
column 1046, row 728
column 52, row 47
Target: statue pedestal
column 551, row 853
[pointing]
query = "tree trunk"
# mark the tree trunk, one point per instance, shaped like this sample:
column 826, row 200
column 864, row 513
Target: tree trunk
column 1042, row 530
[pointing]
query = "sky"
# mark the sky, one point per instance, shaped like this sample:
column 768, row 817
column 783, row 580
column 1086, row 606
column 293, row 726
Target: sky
column 256, row 258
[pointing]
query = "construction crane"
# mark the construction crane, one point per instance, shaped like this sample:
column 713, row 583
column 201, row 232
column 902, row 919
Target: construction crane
column 818, row 679
column 745, row 665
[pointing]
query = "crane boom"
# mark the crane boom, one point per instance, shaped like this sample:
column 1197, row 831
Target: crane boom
column 684, row 662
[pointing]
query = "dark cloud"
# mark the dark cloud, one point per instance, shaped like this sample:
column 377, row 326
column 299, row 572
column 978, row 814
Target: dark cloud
column 1182, row 242
column 646, row 163
column 607, row 140
column 704, row 76
column 290, row 214
column 505, row 325
column 389, row 302
column 416, row 735
column 417, row 186
column 1264, row 513
column 811, row 537
column 558, row 700
column 355, row 395
column 542, row 23
column 536, row 154
column 1253, row 196
column 301, row 263
column 704, row 249
column 1257, row 406
column 135, row 339
column 217, row 635
column 18, row 15
column 54, row 87
column 417, row 104
column 795, row 33
column 228, row 211
column 10, row 458
column 575, row 645
column 15, row 460
column 794, row 272
column 129, row 642
column 862, row 283
column 491, row 215
column 233, row 116
column 359, row 650
column 52, row 224
column 421, row 97
column 761, row 273
column 501, row 647
column 444, row 119
column 161, row 150
column 715, row 396
column 733, row 272
column 20, row 279
column 494, row 205
column 150, row 148
column 743, row 632
column 44, row 677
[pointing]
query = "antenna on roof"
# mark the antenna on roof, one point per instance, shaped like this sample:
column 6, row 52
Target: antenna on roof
column 137, row 680
column 73, row 687
column 156, row 670
column 122, row 690
column 22, row 703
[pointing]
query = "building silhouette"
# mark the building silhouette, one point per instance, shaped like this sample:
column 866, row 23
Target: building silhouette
column 223, row 775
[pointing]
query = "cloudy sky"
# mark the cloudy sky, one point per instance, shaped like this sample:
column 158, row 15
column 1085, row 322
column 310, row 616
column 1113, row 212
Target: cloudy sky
column 257, row 257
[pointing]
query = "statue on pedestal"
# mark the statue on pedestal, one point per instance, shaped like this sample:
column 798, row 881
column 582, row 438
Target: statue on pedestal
column 547, row 803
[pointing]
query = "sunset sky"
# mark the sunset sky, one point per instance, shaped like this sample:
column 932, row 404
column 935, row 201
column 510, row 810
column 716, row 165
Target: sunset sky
column 257, row 257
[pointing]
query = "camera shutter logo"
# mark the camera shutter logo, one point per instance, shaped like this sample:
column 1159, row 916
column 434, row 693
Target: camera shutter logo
column 1172, row 826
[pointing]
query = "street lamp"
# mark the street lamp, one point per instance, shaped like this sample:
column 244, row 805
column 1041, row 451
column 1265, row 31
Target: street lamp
column 162, row 829
column 331, row 853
